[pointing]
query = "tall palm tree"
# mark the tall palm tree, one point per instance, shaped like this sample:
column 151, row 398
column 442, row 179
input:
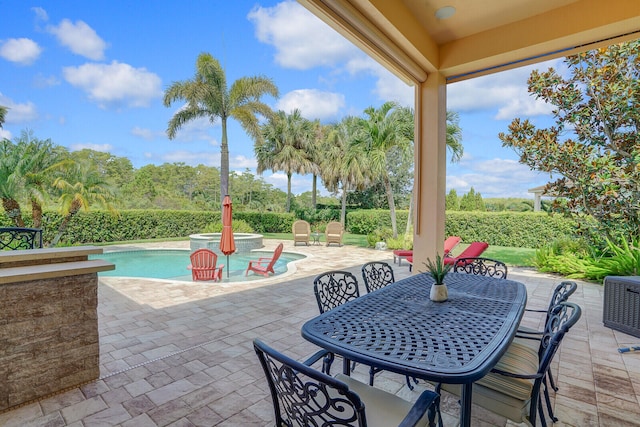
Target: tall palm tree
column 207, row 95
column 285, row 146
column 454, row 136
column 343, row 167
column 12, row 179
column 3, row 115
column 81, row 187
column 386, row 128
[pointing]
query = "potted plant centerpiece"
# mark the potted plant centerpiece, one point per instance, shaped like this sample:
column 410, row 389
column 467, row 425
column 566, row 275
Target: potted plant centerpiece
column 438, row 270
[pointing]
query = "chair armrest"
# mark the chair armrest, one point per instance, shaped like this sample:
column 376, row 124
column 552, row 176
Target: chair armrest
column 533, row 310
column 220, row 267
column 316, row 356
column 419, row 409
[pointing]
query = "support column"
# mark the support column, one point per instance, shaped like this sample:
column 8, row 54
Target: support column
column 430, row 169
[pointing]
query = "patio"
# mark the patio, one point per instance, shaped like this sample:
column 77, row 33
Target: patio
column 180, row 354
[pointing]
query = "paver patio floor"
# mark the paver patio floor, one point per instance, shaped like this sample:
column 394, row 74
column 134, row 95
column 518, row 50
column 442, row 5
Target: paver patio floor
column 180, row 354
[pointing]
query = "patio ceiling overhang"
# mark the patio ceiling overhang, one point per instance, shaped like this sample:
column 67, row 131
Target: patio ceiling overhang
column 481, row 37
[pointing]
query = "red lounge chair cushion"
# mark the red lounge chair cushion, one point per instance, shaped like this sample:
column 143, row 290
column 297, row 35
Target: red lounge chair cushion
column 474, row 250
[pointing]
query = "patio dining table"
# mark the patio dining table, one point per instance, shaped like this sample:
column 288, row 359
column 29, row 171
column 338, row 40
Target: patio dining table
column 399, row 329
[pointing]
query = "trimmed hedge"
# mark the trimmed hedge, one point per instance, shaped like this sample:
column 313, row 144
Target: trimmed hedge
column 516, row 229
column 100, row 226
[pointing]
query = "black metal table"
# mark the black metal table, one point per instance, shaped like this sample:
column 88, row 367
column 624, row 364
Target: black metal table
column 399, row 329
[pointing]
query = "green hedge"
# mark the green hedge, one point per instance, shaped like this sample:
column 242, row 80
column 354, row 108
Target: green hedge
column 100, row 226
column 516, row 229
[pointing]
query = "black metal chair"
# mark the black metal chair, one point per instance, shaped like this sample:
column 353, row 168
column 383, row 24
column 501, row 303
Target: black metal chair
column 513, row 388
column 15, row 238
column 481, row 267
column 333, row 289
column 561, row 293
column 303, row 396
column 376, row 275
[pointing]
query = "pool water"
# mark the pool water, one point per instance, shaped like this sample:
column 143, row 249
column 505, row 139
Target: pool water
column 172, row 264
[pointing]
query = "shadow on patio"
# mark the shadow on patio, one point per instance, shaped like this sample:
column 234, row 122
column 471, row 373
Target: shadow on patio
column 181, row 354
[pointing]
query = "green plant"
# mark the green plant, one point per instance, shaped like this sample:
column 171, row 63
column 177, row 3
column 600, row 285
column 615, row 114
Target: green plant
column 437, row 269
column 239, row 226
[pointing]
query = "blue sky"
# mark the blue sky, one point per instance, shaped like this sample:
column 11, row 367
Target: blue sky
column 92, row 75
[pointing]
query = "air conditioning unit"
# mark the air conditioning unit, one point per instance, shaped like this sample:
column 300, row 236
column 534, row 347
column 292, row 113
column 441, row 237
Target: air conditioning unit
column 621, row 309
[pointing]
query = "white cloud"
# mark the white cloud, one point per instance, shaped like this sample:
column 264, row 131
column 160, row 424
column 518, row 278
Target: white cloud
column 191, row 158
column 497, row 178
column 197, row 130
column 22, row 51
column 5, row 134
column 241, row 162
column 80, row 38
column 302, row 41
column 115, row 83
column 18, row 113
column 147, row 134
column 506, row 91
column 313, row 103
column 41, row 14
column 104, row 148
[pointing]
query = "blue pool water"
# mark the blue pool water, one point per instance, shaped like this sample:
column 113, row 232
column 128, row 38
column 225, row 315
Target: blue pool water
column 172, row 264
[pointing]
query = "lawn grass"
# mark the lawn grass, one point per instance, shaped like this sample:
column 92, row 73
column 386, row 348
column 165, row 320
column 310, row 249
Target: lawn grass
column 520, row 257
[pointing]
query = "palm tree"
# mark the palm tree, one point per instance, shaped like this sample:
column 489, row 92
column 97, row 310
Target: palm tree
column 454, row 136
column 207, row 95
column 3, row 115
column 81, row 187
column 285, row 147
column 11, row 179
column 386, row 128
column 343, row 167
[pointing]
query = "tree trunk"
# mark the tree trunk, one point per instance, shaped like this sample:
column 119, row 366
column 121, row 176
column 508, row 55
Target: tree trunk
column 36, row 213
column 12, row 208
column 392, row 205
column 410, row 215
column 288, row 192
column 224, row 162
column 73, row 210
column 313, row 195
column 343, row 209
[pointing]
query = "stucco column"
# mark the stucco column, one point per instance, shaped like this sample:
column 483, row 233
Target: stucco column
column 430, row 169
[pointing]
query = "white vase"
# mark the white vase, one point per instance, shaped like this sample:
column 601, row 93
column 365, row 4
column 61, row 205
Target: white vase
column 439, row 293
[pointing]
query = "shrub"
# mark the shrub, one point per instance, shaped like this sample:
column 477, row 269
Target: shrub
column 238, row 226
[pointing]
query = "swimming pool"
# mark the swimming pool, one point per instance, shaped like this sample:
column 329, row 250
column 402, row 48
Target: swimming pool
column 171, row 264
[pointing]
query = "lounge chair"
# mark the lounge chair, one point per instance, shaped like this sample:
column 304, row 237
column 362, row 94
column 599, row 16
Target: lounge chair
column 264, row 265
column 449, row 243
column 203, row 266
column 301, row 232
column 474, row 250
column 334, row 232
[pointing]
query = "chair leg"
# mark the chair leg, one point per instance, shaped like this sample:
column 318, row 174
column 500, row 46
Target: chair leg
column 326, row 363
column 551, row 382
column 547, row 400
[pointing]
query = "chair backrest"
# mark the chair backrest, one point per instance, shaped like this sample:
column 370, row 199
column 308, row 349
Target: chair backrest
column 20, row 238
column 276, row 255
column 333, row 227
column 334, row 288
column 376, row 275
column 301, row 227
column 203, row 258
column 450, row 243
column 481, row 267
column 303, row 396
column 561, row 293
column 474, row 250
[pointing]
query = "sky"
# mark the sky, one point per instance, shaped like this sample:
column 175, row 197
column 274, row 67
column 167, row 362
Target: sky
column 92, row 75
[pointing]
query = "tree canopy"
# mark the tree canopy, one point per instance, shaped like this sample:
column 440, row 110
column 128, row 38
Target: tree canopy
column 593, row 150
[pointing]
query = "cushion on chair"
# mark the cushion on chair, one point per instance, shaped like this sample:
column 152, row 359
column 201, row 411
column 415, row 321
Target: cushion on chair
column 504, row 395
column 383, row 409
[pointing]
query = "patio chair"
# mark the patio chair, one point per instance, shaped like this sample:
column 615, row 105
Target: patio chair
column 376, row 275
column 481, row 267
column 333, row 289
column 449, row 243
column 301, row 232
column 561, row 293
column 303, row 396
column 474, row 250
column 513, row 387
column 333, row 233
column 264, row 265
column 203, row 266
